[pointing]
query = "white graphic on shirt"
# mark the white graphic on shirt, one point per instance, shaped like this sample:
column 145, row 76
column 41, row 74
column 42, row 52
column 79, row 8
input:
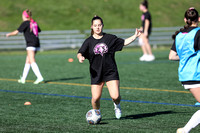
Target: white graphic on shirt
column 100, row 48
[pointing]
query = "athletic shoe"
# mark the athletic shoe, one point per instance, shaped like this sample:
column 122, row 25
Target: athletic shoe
column 22, row 81
column 143, row 57
column 180, row 130
column 150, row 58
column 38, row 81
column 197, row 104
column 118, row 112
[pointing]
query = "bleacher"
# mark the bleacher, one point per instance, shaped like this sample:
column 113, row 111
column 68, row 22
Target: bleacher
column 74, row 38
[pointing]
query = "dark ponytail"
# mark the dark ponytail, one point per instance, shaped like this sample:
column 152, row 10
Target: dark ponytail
column 95, row 18
column 145, row 3
column 191, row 15
column 29, row 12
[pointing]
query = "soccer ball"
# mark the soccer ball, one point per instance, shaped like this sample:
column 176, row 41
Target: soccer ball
column 93, row 116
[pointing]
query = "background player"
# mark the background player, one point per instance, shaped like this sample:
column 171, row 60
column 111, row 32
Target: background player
column 30, row 29
column 146, row 28
column 186, row 48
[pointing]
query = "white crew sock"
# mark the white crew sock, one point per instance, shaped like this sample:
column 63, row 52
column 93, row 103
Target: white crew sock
column 25, row 71
column 193, row 122
column 36, row 70
column 117, row 105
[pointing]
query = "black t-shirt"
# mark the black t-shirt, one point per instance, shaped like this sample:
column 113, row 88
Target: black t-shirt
column 147, row 16
column 31, row 39
column 196, row 39
column 101, row 55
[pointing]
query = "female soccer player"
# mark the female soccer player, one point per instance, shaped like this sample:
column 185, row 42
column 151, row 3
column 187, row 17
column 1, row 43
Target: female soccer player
column 146, row 28
column 186, row 49
column 192, row 123
column 100, row 50
column 30, row 29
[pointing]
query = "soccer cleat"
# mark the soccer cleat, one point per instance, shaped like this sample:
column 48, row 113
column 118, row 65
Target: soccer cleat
column 180, row 130
column 22, row 81
column 38, row 81
column 118, row 112
column 197, row 104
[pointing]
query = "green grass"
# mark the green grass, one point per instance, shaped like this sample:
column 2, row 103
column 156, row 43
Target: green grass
column 67, row 114
column 77, row 14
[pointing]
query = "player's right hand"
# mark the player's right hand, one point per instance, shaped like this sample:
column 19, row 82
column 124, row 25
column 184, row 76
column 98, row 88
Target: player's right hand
column 81, row 59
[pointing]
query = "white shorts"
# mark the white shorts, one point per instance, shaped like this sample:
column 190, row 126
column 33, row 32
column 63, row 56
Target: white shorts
column 33, row 48
column 140, row 41
column 191, row 86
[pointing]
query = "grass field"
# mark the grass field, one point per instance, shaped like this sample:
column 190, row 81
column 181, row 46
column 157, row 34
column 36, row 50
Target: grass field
column 77, row 14
column 153, row 99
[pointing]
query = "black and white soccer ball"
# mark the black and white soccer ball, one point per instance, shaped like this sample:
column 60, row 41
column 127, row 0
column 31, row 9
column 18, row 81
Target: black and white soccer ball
column 93, row 116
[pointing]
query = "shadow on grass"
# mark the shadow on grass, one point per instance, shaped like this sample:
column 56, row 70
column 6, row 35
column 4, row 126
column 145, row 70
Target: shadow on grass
column 103, row 123
column 139, row 116
column 63, row 79
column 162, row 58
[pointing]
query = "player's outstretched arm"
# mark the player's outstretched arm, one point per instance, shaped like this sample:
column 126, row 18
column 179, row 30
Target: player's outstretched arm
column 173, row 55
column 12, row 33
column 132, row 38
column 80, row 57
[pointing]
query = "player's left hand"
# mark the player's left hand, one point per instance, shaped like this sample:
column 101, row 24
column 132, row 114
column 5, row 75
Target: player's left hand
column 7, row 35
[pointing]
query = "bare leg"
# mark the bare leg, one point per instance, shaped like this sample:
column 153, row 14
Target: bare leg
column 113, row 88
column 96, row 95
column 147, row 45
column 30, row 56
column 196, row 93
column 143, row 45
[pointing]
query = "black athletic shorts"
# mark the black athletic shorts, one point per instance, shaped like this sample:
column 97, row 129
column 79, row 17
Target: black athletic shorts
column 105, row 76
